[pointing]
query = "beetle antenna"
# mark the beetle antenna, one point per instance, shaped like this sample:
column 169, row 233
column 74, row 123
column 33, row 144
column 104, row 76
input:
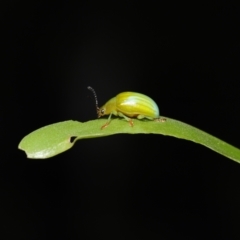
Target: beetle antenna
column 95, row 96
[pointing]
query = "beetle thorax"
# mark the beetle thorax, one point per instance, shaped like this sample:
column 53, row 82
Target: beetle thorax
column 108, row 108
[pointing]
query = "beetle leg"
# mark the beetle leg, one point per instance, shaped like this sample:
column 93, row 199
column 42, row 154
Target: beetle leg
column 130, row 122
column 160, row 119
column 141, row 117
column 108, row 121
column 105, row 125
column 126, row 118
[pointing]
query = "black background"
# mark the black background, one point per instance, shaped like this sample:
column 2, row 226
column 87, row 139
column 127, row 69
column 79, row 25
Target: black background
column 186, row 57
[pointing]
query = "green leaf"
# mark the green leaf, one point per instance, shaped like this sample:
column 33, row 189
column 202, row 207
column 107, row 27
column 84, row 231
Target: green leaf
column 56, row 138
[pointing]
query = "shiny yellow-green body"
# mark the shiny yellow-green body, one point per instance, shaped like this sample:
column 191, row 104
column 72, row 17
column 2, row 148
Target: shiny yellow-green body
column 130, row 105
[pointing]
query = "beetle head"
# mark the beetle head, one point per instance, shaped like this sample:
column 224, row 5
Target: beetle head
column 101, row 111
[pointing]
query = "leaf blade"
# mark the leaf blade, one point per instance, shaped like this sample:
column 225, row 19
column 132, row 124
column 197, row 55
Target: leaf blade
column 56, row 138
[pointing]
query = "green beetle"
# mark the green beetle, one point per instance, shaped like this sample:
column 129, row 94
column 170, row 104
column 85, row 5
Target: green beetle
column 128, row 105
